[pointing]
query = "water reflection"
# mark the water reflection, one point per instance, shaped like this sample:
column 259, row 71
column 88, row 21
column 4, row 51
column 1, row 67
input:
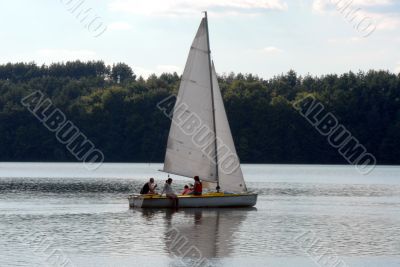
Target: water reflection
column 195, row 234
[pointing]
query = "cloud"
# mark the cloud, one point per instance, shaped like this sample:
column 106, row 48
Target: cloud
column 382, row 21
column 320, row 6
column 360, row 13
column 397, row 68
column 386, row 21
column 268, row 50
column 323, row 6
column 119, row 26
column 271, row 50
column 370, row 2
column 159, row 69
column 190, row 7
column 346, row 40
column 57, row 55
column 168, row 68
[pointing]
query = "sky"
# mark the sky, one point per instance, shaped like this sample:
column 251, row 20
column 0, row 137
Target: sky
column 262, row 37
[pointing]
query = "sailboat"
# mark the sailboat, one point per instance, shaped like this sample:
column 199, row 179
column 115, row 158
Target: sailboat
column 200, row 141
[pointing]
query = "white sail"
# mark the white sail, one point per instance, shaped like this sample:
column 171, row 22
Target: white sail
column 184, row 156
column 229, row 171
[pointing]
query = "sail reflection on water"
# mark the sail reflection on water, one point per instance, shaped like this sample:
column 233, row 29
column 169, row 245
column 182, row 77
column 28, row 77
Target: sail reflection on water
column 197, row 235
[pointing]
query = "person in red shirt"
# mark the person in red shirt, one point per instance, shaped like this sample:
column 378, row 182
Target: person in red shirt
column 198, row 187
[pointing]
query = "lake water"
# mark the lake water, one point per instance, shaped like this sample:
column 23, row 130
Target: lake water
column 55, row 214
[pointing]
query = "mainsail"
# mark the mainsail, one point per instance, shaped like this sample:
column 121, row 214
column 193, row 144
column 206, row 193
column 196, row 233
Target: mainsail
column 185, row 157
column 200, row 141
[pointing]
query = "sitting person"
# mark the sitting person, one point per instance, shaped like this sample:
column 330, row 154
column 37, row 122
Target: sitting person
column 198, row 187
column 169, row 192
column 152, row 187
column 186, row 190
column 149, row 187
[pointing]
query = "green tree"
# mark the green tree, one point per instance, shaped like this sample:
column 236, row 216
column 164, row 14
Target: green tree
column 122, row 72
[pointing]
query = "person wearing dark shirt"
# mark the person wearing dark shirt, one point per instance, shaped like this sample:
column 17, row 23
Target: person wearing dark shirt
column 149, row 187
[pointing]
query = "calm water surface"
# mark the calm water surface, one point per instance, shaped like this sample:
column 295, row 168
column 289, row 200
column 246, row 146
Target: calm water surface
column 83, row 216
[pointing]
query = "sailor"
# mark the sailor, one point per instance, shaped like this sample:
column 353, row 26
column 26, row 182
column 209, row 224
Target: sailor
column 149, row 187
column 169, row 192
column 186, row 190
column 198, row 187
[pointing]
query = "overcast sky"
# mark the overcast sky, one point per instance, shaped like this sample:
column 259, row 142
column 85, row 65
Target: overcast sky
column 263, row 37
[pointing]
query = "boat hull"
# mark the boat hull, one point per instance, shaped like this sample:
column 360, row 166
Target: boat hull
column 211, row 200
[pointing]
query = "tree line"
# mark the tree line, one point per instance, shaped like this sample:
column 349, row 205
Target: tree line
column 117, row 111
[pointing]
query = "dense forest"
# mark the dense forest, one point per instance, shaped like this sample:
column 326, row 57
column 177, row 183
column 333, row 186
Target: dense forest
column 117, row 111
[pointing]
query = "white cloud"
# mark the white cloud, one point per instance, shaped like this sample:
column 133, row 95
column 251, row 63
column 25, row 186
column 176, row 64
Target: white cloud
column 140, row 71
column 119, row 26
column 359, row 14
column 397, row 68
column 268, row 50
column 190, row 7
column 322, row 6
column 159, row 69
column 58, row 55
column 387, row 21
column 168, row 68
column 271, row 50
column 370, row 2
column 382, row 21
column 346, row 40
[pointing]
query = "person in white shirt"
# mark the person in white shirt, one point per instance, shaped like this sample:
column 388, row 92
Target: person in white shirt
column 169, row 192
column 152, row 187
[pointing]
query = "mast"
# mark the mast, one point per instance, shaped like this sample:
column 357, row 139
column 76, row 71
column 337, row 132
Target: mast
column 212, row 101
